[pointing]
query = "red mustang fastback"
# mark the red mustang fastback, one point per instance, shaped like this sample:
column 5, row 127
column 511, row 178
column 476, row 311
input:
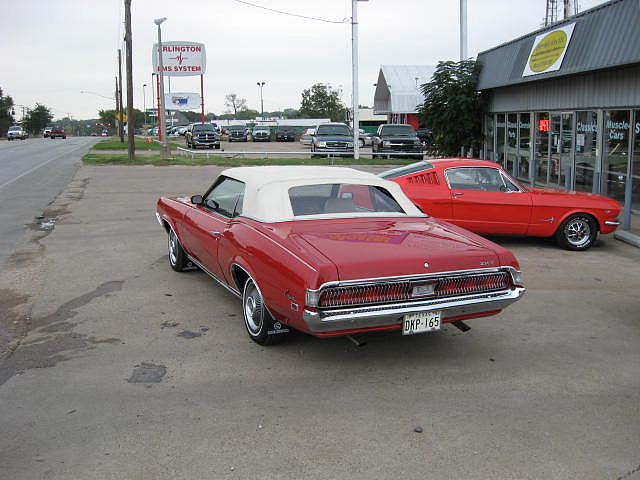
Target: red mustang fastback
column 334, row 251
column 479, row 196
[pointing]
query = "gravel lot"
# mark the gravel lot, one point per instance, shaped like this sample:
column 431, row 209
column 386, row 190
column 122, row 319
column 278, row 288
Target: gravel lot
column 130, row 370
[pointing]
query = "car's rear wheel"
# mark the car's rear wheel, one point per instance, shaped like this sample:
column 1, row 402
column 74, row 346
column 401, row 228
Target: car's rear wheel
column 177, row 257
column 261, row 326
column 577, row 232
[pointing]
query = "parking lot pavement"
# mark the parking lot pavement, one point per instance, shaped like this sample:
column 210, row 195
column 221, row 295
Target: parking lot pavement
column 131, row 370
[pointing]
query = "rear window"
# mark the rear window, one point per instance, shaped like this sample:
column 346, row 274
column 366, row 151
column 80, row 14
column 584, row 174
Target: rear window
column 341, row 198
column 407, row 170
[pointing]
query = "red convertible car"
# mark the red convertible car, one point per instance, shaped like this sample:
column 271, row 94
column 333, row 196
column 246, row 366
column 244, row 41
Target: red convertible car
column 334, row 251
column 479, row 196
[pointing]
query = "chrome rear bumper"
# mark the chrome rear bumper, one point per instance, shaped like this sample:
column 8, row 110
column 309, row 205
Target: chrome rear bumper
column 334, row 320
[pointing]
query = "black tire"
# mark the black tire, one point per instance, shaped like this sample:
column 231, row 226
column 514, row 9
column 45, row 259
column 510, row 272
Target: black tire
column 177, row 258
column 261, row 326
column 218, row 146
column 577, row 232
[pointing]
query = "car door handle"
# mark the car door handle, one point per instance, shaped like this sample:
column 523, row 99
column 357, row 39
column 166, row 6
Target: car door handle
column 455, row 194
column 214, row 233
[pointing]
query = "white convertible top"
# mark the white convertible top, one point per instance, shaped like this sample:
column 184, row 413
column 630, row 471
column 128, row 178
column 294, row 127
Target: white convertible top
column 267, row 190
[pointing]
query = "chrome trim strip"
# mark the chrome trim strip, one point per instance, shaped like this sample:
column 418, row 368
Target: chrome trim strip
column 429, row 276
column 204, row 269
column 612, row 222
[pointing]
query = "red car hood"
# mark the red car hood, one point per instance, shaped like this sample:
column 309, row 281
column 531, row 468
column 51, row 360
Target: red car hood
column 371, row 248
column 571, row 197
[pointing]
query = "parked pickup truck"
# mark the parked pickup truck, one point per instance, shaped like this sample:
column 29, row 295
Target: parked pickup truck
column 398, row 139
column 202, row 135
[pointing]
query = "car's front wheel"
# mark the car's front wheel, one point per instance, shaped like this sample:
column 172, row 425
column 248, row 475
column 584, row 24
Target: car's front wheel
column 261, row 326
column 578, row 232
column 177, row 257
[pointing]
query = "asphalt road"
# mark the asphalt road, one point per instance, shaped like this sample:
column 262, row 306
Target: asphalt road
column 32, row 174
column 130, row 370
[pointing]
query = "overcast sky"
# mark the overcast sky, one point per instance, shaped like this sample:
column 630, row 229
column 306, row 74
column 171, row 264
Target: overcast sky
column 53, row 50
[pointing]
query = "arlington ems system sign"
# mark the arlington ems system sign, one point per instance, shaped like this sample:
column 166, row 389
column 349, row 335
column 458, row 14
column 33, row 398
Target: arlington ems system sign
column 548, row 51
column 180, row 59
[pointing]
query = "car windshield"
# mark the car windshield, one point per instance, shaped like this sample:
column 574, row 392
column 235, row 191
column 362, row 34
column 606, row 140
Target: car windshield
column 341, row 198
column 202, row 128
column 236, row 129
column 340, row 130
column 397, row 130
column 260, row 129
column 13, row 129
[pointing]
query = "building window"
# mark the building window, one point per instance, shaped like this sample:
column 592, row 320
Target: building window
column 524, row 146
column 586, row 149
column 617, row 128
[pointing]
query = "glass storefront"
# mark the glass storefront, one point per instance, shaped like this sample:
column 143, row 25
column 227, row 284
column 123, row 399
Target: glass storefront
column 524, row 146
column 500, row 137
column 635, row 165
column 586, row 151
column 541, row 151
column 615, row 156
column 591, row 150
column 511, row 152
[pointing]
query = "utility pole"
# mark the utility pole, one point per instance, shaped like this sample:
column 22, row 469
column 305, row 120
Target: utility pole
column 121, row 124
column 354, row 80
column 117, row 125
column 131, row 124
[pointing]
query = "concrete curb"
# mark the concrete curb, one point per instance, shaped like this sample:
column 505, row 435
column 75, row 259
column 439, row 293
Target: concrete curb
column 627, row 237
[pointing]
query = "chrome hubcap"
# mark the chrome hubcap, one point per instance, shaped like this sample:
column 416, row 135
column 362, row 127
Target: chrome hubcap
column 253, row 309
column 578, row 232
column 173, row 248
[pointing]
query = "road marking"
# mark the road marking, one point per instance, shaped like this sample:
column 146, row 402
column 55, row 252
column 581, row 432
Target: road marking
column 33, row 169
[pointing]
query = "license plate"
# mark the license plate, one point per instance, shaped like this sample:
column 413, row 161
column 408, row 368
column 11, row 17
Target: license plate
column 421, row 322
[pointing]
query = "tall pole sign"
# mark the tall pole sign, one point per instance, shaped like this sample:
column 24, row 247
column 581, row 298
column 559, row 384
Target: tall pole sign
column 181, row 59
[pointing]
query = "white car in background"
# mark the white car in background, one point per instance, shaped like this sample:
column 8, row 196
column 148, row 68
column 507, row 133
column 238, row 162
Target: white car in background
column 16, row 132
column 305, row 138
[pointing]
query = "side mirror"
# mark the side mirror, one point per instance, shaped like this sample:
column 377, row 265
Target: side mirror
column 197, row 200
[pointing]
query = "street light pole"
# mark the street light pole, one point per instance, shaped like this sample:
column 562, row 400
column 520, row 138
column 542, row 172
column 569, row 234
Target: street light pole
column 261, row 84
column 144, row 102
column 161, row 122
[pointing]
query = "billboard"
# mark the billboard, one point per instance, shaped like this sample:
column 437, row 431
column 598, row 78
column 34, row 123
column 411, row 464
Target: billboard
column 180, row 59
column 182, row 101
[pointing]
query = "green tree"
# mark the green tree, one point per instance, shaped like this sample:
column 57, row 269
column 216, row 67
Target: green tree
column 6, row 113
column 36, row 119
column 453, row 108
column 322, row 101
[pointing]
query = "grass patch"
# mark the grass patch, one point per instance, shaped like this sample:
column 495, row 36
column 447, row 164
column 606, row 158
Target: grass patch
column 122, row 159
column 140, row 143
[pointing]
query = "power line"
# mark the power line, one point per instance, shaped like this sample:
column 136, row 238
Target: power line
column 281, row 12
